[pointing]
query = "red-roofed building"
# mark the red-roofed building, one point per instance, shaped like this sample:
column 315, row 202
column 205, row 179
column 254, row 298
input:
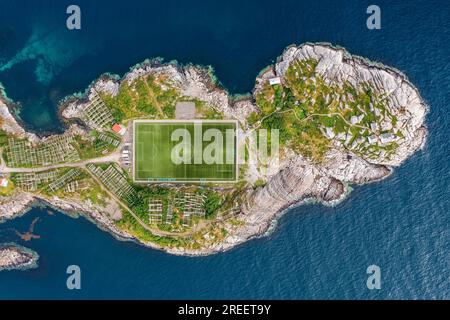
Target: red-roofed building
column 117, row 128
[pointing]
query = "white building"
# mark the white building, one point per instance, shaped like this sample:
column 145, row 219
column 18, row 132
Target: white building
column 377, row 112
column 274, row 81
column 374, row 126
column 373, row 139
column 354, row 120
column 386, row 137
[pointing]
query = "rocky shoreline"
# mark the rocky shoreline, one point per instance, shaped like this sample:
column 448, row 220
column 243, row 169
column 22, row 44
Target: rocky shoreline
column 15, row 257
column 297, row 180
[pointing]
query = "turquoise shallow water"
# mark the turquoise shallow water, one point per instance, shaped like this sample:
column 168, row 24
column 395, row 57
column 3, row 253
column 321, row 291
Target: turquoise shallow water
column 401, row 224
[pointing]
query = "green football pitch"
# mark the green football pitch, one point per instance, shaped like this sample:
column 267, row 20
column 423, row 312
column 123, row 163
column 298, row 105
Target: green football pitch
column 153, row 152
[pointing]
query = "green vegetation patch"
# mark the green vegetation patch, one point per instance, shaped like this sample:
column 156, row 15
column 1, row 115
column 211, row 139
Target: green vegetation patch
column 152, row 96
column 310, row 112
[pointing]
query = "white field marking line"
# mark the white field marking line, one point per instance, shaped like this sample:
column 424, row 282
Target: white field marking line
column 155, row 147
column 141, row 154
column 195, row 121
column 144, row 136
column 134, row 151
column 152, row 148
column 193, row 181
column 185, row 166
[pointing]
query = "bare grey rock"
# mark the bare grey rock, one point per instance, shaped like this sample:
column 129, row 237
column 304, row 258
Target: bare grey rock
column 14, row 257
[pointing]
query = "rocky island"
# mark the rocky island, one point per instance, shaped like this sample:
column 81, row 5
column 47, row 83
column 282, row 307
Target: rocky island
column 340, row 120
column 15, row 257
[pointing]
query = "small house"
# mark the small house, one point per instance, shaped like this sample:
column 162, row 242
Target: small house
column 372, row 139
column 354, row 120
column 386, row 137
column 374, row 126
column 119, row 129
column 274, row 81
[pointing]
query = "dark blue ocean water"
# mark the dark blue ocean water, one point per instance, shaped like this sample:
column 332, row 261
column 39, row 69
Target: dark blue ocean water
column 400, row 224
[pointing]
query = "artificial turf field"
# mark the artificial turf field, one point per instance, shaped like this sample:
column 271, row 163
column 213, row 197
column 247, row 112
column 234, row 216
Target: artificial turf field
column 153, row 148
